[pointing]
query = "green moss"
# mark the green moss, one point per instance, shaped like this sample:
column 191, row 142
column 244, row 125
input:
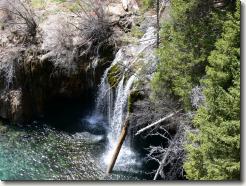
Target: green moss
column 39, row 4
column 136, row 32
column 132, row 98
column 74, row 7
column 146, row 4
column 114, row 75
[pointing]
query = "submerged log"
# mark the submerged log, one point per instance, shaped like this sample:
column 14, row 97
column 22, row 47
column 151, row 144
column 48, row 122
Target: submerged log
column 119, row 145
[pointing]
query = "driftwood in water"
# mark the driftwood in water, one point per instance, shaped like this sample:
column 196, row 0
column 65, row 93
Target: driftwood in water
column 119, row 145
column 157, row 122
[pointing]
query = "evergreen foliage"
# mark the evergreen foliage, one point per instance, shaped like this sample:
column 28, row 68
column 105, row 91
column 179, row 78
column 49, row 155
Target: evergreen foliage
column 217, row 157
column 187, row 41
column 201, row 46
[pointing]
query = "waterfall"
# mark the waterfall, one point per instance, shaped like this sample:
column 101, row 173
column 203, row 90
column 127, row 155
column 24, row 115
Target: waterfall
column 105, row 95
column 126, row 156
column 120, row 106
column 111, row 105
column 104, row 99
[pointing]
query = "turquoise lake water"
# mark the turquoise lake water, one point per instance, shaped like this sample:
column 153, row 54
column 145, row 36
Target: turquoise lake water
column 40, row 152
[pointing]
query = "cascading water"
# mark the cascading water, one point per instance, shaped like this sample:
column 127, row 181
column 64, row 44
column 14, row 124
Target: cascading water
column 104, row 102
column 111, row 105
column 120, row 105
column 126, row 156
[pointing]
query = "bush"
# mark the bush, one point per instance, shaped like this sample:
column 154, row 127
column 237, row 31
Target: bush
column 94, row 26
column 23, row 18
column 136, row 32
column 146, row 4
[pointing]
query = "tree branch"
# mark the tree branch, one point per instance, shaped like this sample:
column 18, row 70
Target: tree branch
column 157, row 122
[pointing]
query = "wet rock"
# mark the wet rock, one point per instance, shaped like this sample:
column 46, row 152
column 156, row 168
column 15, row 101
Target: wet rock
column 98, row 127
column 11, row 105
column 149, row 21
column 130, row 5
column 89, row 138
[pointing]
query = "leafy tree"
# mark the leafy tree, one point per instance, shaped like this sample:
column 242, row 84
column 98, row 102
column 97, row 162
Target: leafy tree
column 187, row 40
column 215, row 151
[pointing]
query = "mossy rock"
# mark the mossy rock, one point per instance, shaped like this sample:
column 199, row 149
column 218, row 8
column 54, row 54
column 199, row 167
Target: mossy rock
column 114, row 75
column 136, row 32
column 3, row 128
column 133, row 97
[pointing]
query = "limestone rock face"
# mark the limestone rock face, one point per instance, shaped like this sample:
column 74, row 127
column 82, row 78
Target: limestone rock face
column 130, row 5
column 115, row 9
column 28, row 80
column 32, row 74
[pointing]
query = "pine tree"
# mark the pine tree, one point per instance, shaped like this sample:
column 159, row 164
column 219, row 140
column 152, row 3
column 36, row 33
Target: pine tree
column 187, row 40
column 215, row 151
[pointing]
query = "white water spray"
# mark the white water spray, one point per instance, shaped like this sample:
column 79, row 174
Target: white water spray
column 113, row 104
column 126, row 156
column 115, row 111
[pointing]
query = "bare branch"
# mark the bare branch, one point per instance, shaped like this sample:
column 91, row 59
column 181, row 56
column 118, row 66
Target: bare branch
column 23, row 17
column 94, row 26
column 157, row 122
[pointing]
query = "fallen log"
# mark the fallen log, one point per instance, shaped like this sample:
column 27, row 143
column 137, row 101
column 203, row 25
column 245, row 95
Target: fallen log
column 157, row 122
column 119, row 145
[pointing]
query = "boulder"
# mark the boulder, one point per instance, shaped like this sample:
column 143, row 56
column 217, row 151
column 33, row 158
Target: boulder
column 130, row 5
column 11, row 105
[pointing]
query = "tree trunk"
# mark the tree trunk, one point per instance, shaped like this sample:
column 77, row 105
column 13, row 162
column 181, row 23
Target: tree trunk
column 158, row 23
column 157, row 122
column 119, row 145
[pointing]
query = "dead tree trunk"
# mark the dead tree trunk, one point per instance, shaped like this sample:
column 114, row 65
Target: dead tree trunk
column 119, row 145
column 172, row 156
column 162, row 164
column 158, row 23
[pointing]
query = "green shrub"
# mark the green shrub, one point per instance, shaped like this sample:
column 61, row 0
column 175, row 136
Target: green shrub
column 187, row 41
column 217, row 157
column 59, row 1
column 136, row 32
column 146, row 4
column 38, row 4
